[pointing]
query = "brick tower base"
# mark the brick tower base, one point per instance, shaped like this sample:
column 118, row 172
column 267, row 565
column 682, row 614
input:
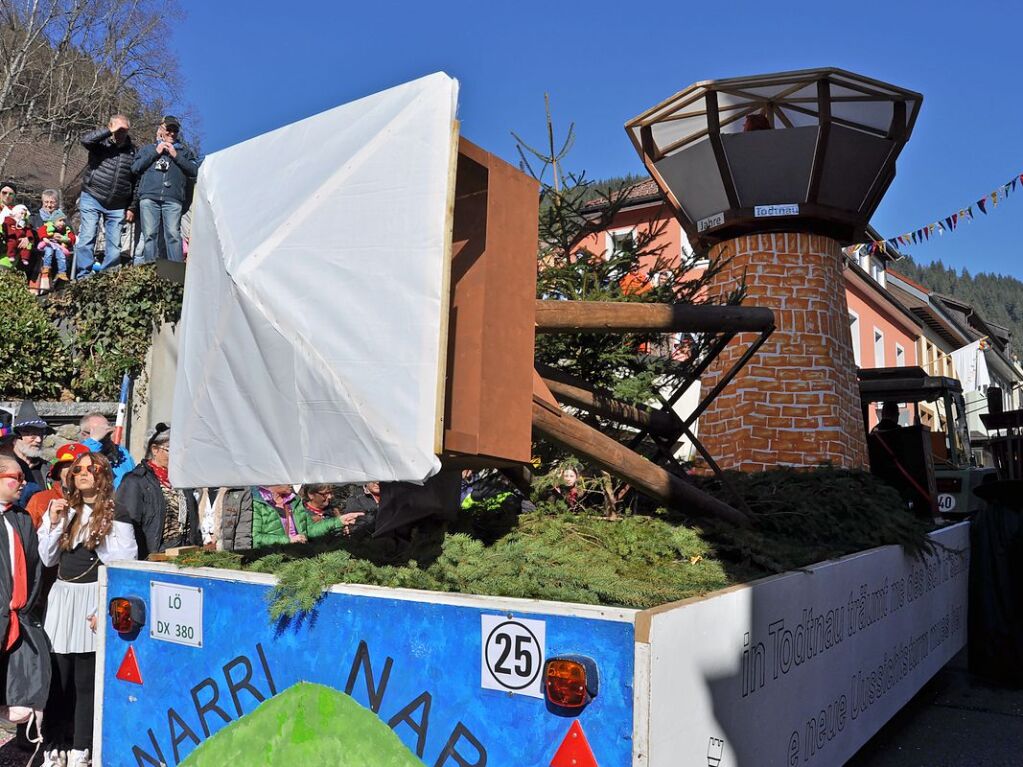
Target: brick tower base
column 797, row 402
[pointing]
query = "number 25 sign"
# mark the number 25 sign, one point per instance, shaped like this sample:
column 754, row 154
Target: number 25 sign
column 513, row 654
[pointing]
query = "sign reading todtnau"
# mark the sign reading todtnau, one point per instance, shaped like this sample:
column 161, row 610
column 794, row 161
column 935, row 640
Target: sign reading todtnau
column 769, row 211
column 177, row 613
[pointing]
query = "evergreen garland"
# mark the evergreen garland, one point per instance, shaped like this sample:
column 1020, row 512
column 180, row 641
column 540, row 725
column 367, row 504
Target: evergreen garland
column 634, row 561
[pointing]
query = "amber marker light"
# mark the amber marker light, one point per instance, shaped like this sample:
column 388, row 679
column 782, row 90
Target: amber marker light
column 127, row 614
column 570, row 682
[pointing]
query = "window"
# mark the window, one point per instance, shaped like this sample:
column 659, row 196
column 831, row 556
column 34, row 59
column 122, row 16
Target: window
column 900, row 356
column 620, row 240
column 878, row 348
column 877, row 271
column 854, row 330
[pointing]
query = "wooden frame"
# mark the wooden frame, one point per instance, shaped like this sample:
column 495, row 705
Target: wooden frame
column 702, row 100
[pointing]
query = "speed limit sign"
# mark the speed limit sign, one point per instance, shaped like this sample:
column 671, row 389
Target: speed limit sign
column 513, row 654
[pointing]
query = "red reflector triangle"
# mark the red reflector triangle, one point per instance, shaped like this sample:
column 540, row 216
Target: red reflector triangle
column 129, row 670
column 574, row 750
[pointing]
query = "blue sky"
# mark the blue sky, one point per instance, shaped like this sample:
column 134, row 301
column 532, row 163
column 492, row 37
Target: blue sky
column 251, row 67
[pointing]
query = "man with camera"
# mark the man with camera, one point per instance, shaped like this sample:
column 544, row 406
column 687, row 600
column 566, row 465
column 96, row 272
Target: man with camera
column 164, row 170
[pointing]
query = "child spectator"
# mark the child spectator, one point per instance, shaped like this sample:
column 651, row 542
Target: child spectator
column 20, row 238
column 56, row 241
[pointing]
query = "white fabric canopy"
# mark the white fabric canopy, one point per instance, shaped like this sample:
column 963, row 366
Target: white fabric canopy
column 311, row 337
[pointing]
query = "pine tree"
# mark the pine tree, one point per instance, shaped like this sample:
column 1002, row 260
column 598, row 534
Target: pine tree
column 635, row 368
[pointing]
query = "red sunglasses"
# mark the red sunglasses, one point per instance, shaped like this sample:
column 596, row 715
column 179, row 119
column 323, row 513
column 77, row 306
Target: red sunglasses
column 19, row 476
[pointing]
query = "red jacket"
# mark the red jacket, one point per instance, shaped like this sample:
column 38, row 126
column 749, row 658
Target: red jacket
column 13, row 234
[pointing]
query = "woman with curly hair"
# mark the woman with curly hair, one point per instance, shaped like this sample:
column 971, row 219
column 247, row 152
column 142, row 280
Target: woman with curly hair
column 78, row 534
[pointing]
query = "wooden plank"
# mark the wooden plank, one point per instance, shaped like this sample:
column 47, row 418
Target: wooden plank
column 628, row 317
column 615, row 458
column 493, row 294
column 823, row 133
column 714, row 135
column 603, row 404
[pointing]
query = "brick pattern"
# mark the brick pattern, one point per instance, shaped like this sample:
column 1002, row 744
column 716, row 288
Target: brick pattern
column 796, row 403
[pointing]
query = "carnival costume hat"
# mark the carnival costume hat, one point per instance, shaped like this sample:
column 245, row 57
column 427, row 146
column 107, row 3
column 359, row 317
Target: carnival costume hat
column 28, row 418
column 66, row 454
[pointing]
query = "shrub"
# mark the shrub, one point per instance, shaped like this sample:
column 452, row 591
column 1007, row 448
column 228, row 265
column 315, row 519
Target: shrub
column 35, row 359
column 111, row 318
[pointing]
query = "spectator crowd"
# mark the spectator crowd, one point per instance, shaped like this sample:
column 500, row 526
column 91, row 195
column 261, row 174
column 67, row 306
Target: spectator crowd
column 122, row 183
column 94, row 504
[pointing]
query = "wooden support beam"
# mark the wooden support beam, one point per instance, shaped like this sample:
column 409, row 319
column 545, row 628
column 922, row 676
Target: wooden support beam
column 631, row 317
column 655, row 421
column 601, row 450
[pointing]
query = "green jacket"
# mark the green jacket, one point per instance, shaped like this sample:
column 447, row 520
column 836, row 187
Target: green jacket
column 268, row 525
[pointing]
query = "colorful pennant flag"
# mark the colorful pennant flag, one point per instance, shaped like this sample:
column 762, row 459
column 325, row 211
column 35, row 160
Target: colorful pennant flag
column 948, row 224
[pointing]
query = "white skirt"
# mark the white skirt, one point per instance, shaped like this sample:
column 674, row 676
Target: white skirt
column 67, row 607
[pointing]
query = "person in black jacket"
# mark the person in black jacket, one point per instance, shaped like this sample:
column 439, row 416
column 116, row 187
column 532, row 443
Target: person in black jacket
column 106, row 194
column 163, row 516
column 24, row 659
column 165, row 170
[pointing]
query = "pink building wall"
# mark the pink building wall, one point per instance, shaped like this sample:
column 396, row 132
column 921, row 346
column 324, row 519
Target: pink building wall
column 873, row 313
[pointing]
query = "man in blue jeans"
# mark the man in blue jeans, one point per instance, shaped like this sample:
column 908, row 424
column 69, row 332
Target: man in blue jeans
column 164, row 170
column 106, row 194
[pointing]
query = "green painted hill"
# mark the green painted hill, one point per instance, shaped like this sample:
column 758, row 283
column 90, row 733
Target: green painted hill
column 307, row 724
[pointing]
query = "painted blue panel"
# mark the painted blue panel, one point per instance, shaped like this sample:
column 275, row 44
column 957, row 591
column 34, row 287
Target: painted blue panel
column 434, row 648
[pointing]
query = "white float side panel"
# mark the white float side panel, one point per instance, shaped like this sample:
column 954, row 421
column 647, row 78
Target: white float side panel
column 803, row 668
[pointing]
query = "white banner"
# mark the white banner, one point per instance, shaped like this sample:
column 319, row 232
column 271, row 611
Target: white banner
column 803, row 668
column 971, row 367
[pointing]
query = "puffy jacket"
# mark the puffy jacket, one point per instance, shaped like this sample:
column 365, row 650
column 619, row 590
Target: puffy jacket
column 162, row 177
column 236, row 519
column 268, row 524
column 108, row 176
column 142, row 497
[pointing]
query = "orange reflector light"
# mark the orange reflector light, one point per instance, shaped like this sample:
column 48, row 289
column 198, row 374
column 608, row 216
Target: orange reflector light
column 120, row 614
column 127, row 614
column 566, row 683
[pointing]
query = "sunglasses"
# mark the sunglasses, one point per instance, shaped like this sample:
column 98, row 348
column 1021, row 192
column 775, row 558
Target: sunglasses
column 91, row 468
column 19, row 476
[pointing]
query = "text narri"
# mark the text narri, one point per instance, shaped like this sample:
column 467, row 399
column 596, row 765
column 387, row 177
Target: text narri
column 461, row 749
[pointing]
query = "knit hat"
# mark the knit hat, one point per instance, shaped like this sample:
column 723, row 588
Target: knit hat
column 20, row 214
column 28, row 418
column 171, row 122
column 11, row 184
column 66, row 454
column 58, row 214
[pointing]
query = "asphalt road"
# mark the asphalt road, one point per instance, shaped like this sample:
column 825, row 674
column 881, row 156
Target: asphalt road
column 955, row 721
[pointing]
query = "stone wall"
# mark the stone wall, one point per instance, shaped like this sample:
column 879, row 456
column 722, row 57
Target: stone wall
column 796, row 403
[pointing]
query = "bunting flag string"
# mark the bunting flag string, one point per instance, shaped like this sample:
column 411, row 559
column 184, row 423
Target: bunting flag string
column 946, row 225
